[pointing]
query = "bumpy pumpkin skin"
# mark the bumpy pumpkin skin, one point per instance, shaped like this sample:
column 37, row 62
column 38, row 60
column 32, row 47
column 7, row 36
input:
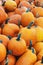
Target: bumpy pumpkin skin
column 26, row 59
column 38, row 46
column 27, row 35
column 3, row 15
column 4, row 40
column 10, row 29
column 15, row 19
column 17, row 47
column 2, row 52
column 40, row 55
column 39, row 21
column 11, row 60
column 26, row 18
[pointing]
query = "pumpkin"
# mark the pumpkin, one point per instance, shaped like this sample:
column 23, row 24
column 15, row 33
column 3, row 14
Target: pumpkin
column 25, row 4
column 26, row 18
column 10, row 29
column 17, row 46
column 38, row 3
column 15, row 19
column 3, row 15
column 0, row 30
column 40, row 54
column 28, row 34
column 39, row 21
column 4, row 39
column 28, row 58
column 38, row 46
column 10, row 5
column 40, row 62
column 10, row 60
column 37, row 11
column 20, row 10
column 2, row 52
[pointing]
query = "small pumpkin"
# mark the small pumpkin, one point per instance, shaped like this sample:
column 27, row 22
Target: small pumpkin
column 3, row 15
column 15, row 19
column 40, row 62
column 40, row 54
column 10, row 60
column 2, row 52
column 37, row 11
column 26, row 18
column 39, row 21
column 4, row 39
column 28, row 58
column 20, row 10
column 17, row 46
column 10, row 29
column 38, row 46
column 10, row 5
column 28, row 34
column 25, row 4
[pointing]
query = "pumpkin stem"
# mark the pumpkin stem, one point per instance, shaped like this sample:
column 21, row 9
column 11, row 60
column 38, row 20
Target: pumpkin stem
column 32, row 50
column 31, row 23
column 18, row 38
column 28, row 10
column 9, row 37
column 3, row 3
column 6, row 63
column 30, row 44
column 0, row 41
column 6, row 21
column 42, row 60
column 9, row 52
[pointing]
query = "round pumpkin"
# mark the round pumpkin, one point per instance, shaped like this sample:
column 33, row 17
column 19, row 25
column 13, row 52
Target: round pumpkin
column 10, row 60
column 4, row 39
column 38, row 46
column 10, row 29
column 17, row 46
column 28, row 58
column 2, row 52
column 3, row 15
column 26, row 18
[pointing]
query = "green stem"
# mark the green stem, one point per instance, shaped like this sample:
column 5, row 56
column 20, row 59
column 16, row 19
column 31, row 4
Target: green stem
column 18, row 38
column 9, row 37
column 0, row 41
column 30, row 44
column 28, row 10
column 31, row 23
column 6, row 21
column 3, row 3
column 32, row 50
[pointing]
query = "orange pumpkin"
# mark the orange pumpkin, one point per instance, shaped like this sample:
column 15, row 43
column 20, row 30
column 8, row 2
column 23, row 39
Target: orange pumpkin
column 28, row 58
column 4, row 39
column 38, row 3
column 38, row 46
column 10, row 5
column 10, row 29
column 39, row 21
column 10, row 60
column 0, row 30
column 20, row 10
column 2, row 52
column 15, row 19
column 38, row 11
column 25, row 4
column 40, row 54
column 40, row 62
column 28, row 34
column 17, row 46
column 3, row 15
column 26, row 18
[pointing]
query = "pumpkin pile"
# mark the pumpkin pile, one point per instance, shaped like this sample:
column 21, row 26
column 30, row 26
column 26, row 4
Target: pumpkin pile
column 21, row 32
